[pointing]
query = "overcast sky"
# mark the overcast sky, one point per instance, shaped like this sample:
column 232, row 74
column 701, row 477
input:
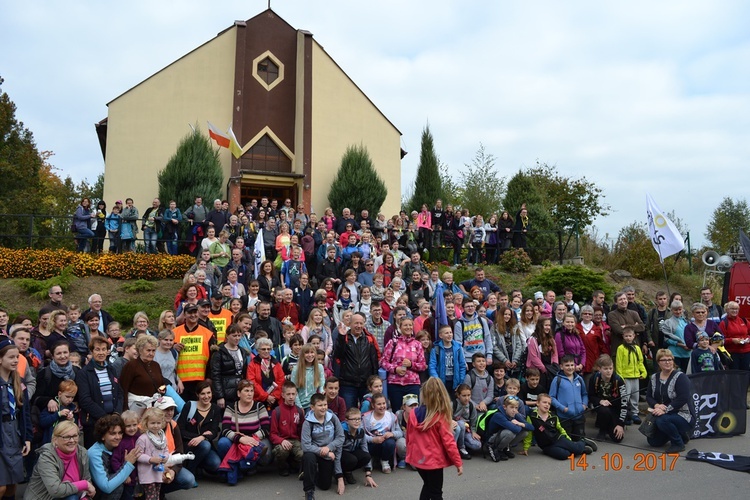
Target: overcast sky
column 637, row 96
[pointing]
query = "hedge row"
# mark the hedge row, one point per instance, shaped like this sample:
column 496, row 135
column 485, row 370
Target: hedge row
column 43, row 264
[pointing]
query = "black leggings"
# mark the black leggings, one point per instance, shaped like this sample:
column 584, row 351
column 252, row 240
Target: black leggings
column 432, row 489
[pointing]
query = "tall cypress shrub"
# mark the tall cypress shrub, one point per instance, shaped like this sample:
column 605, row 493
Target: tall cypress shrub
column 357, row 185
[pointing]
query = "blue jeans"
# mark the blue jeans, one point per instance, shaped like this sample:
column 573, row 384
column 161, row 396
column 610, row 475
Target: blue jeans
column 383, row 451
column 82, row 235
column 222, row 447
column 205, row 457
column 172, row 245
column 670, row 427
column 397, row 393
column 149, row 239
column 183, row 481
column 352, row 395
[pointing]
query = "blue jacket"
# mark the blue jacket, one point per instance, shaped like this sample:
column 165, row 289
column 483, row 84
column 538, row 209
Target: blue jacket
column 569, row 394
column 500, row 421
column 99, row 474
column 436, row 365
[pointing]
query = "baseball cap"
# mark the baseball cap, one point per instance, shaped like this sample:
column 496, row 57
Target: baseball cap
column 411, row 400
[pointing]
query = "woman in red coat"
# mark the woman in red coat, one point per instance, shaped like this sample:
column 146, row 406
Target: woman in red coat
column 266, row 373
column 430, row 446
column 736, row 338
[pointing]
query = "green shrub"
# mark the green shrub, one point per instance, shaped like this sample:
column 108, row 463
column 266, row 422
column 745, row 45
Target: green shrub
column 124, row 311
column 515, row 261
column 38, row 289
column 139, row 286
column 581, row 279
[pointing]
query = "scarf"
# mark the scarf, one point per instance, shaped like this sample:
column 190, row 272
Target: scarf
column 159, row 441
column 71, row 472
column 345, row 303
column 62, row 372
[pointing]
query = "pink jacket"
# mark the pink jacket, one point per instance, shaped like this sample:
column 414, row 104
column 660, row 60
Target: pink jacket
column 394, row 354
column 146, row 473
column 534, row 356
column 430, row 449
column 424, row 219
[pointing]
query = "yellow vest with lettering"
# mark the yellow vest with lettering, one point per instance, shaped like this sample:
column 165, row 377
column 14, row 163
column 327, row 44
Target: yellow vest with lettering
column 191, row 364
column 221, row 322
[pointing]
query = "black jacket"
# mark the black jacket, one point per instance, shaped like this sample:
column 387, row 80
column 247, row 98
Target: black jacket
column 224, row 374
column 327, row 269
column 357, row 360
column 90, row 395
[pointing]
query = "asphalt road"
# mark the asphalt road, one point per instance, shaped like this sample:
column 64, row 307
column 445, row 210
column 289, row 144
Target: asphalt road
column 535, row 476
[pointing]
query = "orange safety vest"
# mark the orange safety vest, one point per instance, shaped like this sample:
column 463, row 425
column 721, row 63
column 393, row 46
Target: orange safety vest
column 192, row 361
column 221, row 322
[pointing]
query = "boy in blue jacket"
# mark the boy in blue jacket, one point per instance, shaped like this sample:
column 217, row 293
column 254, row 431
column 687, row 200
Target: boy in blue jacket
column 447, row 360
column 570, row 399
column 506, row 429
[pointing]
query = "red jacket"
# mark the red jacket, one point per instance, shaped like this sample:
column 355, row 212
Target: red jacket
column 432, row 449
column 594, row 344
column 254, row 373
column 735, row 328
column 286, row 423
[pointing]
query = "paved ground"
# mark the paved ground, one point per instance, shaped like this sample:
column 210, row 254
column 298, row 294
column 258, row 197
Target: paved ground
column 535, row 476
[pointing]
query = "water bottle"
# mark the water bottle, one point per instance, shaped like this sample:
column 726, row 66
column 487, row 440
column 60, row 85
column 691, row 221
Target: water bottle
column 160, row 466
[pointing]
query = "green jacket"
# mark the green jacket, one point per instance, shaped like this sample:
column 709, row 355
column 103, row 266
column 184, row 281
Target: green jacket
column 46, row 482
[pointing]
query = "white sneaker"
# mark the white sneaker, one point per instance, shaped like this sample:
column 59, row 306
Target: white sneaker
column 385, row 466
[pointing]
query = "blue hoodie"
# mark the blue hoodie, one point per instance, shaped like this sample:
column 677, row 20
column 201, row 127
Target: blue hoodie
column 569, row 394
column 436, row 362
column 500, row 420
column 316, row 435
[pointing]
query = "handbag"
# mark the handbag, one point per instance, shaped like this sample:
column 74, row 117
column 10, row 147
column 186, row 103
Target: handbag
column 648, row 426
column 552, row 369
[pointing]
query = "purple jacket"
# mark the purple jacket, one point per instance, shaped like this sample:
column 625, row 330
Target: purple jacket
column 570, row 343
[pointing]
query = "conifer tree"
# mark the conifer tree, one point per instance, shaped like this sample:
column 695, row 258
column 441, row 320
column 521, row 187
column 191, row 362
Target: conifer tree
column 522, row 190
column 194, row 170
column 427, row 186
column 357, row 185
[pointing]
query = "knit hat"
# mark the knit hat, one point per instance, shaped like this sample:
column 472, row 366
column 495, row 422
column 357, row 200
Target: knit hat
column 538, row 295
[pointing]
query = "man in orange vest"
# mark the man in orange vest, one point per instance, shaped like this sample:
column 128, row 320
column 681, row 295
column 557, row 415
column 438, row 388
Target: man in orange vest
column 220, row 317
column 194, row 343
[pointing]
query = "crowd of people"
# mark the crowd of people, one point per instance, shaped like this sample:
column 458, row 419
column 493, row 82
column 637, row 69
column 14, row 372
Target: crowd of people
column 332, row 362
column 164, row 229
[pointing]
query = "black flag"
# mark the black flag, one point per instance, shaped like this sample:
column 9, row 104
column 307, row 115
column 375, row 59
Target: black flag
column 745, row 244
column 739, row 463
column 719, row 403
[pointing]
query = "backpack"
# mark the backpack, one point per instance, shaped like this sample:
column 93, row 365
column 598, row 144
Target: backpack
column 482, row 422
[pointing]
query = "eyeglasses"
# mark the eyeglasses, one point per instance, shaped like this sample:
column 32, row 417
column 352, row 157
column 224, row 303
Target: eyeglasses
column 666, row 359
column 68, row 438
column 587, row 314
column 264, row 349
column 56, row 293
column 358, row 419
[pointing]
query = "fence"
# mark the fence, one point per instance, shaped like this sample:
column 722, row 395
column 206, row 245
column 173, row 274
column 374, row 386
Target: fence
column 53, row 231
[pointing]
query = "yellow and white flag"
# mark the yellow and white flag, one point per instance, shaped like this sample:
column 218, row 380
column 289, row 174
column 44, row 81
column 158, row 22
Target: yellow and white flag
column 234, row 145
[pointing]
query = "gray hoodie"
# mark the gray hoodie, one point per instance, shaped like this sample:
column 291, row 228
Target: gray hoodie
column 330, row 433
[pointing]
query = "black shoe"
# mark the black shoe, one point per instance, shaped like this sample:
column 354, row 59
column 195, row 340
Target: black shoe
column 636, row 419
column 310, row 495
column 349, row 478
column 587, row 450
column 284, row 472
column 685, row 437
column 493, row 454
column 601, row 435
column 509, row 453
column 590, row 443
column 628, row 421
column 464, row 455
column 675, row 448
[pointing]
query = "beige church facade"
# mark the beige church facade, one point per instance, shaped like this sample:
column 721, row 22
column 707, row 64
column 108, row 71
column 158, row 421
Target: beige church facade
column 292, row 108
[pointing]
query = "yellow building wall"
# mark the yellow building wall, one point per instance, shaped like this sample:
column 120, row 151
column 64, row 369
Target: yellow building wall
column 342, row 116
column 146, row 123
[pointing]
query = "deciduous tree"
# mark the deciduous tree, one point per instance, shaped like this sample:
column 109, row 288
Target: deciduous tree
column 726, row 221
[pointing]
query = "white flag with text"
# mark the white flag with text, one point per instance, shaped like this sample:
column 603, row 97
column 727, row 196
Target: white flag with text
column 665, row 237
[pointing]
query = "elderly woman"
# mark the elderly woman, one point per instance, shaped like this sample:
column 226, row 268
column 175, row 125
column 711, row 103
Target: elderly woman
column 403, row 359
column 228, row 365
column 63, row 467
column 141, row 378
column 700, row 323
column 673, row 329
column 266, row 373
column 99, row 394
column 669, row 396
column 109, row 430
column 736, row 336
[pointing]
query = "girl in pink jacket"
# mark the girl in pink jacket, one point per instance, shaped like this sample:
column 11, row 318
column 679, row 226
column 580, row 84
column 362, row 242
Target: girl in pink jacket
column 403, row 359
column 430, row 446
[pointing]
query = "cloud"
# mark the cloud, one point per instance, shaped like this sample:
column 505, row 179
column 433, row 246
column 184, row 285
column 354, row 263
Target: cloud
column 637, row 96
